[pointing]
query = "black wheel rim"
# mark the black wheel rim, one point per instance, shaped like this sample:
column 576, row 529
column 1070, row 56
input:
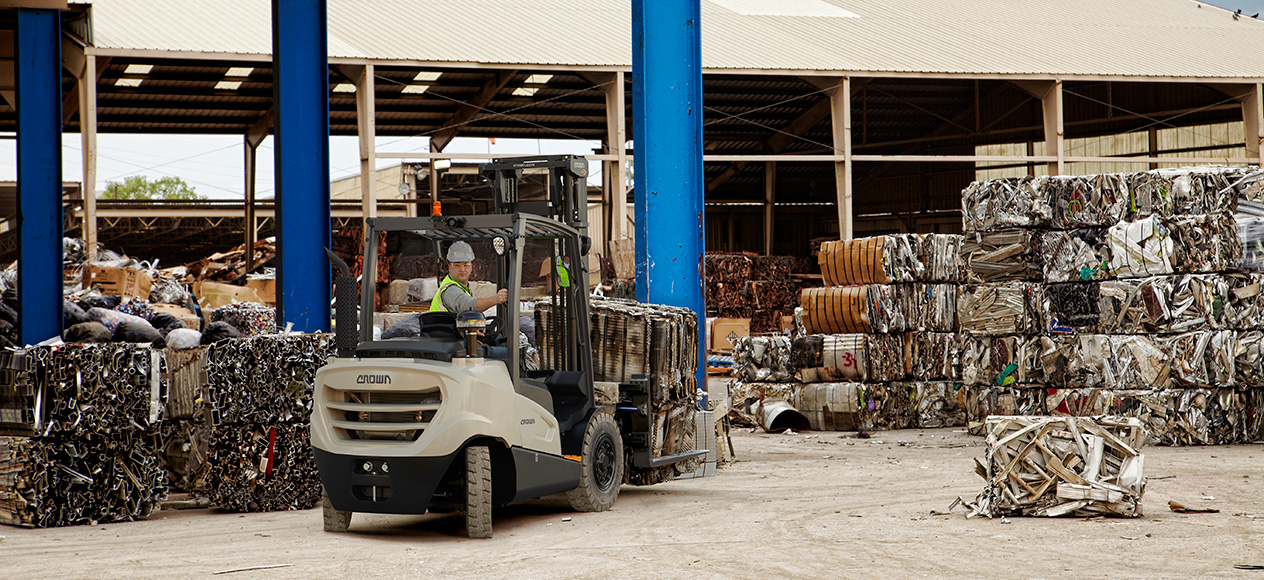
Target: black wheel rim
column 604, row 463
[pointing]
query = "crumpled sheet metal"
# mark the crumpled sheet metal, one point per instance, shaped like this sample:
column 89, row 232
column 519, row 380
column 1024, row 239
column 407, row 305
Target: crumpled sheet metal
column 1136, row 305
column 941, row 254
column 1251, row 238
column 1202, row 358
column 873, row 308
column 1004, row 203
column 888, row 406
column 1144, row 247
column 981, row 401
column 1207, row 301
column 1248, row 355
column 1205, row 243
column 875, row 260
column 998, row 309
column 1075, row 255
column 1092, row 200
column 830, row 358
column 1185, row 191
column 1002, row 256
column 933, row 356
column 1000, row 360
column 762, row 359
column 1061, row 466
column 930, row 307
column 937, row 405
column 886, row 357
column 1072, row 308
column 1180, row 416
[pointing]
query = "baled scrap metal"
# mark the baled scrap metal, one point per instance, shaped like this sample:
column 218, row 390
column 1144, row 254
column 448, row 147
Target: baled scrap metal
column 1248, row 355
column 831, row 406
column 999, row 360
column 184, row 451
column 185, row 373
column 886, row 357
column 1004, row 203
column 265, row 379
column 983, row 401
column 1140, row 248
column 51, row 481
column 1001, row 256
column 1056, row 466
column 930, row 307
column 830, row 357
column 1136, row 305
column 932, row 356
column 1205, row 243
column 1093, row 200
column 1075, row 255
column 99, row 388
column 888, row 406
column 769, row 294
column 998, row 309
column 872, row 308
column 1202, row 358
column 747, row 398
column 1073, row 307
column 1077, row 361
column 1181, row 416
column 1184, row 191
column 876, row 260
column 941, row 255
column 1251, row 238
column 937, row 405
column 1138, row 361
column 762, row 359
column 262, row 467
column 1205, row 301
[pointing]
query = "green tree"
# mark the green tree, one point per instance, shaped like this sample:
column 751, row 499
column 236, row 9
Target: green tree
column 141, row 187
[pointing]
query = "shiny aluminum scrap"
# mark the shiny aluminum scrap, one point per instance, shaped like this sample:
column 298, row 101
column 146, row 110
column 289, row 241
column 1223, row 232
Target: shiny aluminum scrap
column 998, row 309
column 1092, row 200
column 762, row 359
column 1140, row 248
column 1075, row 255
column 1205, row 242
column 1002, row 256
column 1061, row 466
column 1004, row 203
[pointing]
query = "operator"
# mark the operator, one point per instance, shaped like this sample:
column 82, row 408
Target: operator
column 454, row 292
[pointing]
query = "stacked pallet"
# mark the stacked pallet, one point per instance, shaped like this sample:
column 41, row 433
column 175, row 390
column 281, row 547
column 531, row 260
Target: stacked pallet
column 628, row 339
column 1128, row 294
column 746, row 285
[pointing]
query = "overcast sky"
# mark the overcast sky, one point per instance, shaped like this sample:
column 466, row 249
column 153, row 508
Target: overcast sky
column 213, row 165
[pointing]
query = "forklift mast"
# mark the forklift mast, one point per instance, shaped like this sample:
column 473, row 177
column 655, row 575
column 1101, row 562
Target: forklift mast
column 567, row 199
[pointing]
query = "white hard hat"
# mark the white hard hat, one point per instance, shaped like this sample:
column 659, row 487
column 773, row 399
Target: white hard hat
column 460, row 252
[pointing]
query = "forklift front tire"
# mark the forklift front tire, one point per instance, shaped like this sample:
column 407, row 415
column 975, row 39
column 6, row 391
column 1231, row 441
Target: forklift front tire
column 601, row 466
column 335, row 520
column 478, row 492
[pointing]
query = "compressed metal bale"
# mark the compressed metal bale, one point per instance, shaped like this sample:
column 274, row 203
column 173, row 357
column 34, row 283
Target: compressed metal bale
column 872, row 308
column 1073, row 307
column 1207, row 301
column 875, row 260
column 941, row 254
column 886, row 357
column 1136, row 305
column 1248, row 355
column 260, row 468
column 1093, row 200
column 1140, row 248
column 1181, row 416
column 1202, row 358
column 888, row 406
column 931, row 307
column 830, row 358
column 1004, row 203
column 1002, row 256
column 998, row 309
column 1251, row 239
column 1000, row 360
column 762, row 358
column 1139, row 362
column 982, row 401
column 1075, row 255
column 831, row 406
column 933, row 355
column 1205, row 242
column 937, row 405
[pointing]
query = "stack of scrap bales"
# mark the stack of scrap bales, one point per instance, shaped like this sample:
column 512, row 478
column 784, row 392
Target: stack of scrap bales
column 746, row 285
column 77, row 430
column 260, row 456
column 629, row 338
column 1128, row 294
column 185, row 432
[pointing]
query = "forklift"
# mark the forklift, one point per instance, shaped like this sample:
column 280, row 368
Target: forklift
column 456, row 417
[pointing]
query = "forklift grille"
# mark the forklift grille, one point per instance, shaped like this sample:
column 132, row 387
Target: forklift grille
column 382, row 415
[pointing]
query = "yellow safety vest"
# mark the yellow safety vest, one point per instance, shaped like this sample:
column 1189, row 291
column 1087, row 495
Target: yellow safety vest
column 563, row 275
column 436, row 303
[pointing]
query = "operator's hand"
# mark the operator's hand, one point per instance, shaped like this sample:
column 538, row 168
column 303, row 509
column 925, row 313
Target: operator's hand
column 502, row 296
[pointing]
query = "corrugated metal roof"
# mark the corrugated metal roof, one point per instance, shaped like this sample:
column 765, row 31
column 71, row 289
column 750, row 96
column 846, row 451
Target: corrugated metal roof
column 1112, row 38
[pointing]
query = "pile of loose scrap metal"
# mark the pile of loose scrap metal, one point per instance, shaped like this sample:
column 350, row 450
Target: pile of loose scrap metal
column 630, row 338
column 746, row 285
column 1061, row 466
column 1134, row 294
column 77, row 432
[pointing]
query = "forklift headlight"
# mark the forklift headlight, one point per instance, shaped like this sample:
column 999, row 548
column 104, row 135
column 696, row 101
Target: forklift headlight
column 499, row 245
column 368, row 466
column 385, row 468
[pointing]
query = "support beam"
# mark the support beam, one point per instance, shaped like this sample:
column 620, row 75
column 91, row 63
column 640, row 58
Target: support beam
column 616, row 140
column 366, row 128
column 254, row 136
column 1253, row 123
column 39, row 220
column 471, row 109
column 840, row 109
column 1050, row 95
column 770, row 200
column 667, row 117
column 1154, row 145
column 300, row 65
column 88, row 133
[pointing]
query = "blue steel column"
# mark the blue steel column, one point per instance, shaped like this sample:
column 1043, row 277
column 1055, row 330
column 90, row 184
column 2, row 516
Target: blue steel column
column 300, row 77
column 38, row 52
column 667, row 141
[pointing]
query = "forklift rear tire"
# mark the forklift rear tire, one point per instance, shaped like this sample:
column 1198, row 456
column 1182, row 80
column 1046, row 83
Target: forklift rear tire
column 478, row 492
column 335, row 520
column 601, row 466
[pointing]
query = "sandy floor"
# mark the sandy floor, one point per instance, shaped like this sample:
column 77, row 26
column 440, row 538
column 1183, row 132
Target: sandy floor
column 793, row 506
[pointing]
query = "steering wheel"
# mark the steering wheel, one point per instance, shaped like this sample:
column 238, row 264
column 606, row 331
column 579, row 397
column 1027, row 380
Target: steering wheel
column 438, row 324
column 493, row 333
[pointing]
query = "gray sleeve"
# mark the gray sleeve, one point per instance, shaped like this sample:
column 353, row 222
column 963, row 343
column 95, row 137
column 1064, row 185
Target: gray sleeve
column 456, row 300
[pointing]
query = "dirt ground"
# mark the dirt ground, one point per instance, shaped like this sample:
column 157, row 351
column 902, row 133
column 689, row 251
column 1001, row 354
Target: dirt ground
column 810, row 505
